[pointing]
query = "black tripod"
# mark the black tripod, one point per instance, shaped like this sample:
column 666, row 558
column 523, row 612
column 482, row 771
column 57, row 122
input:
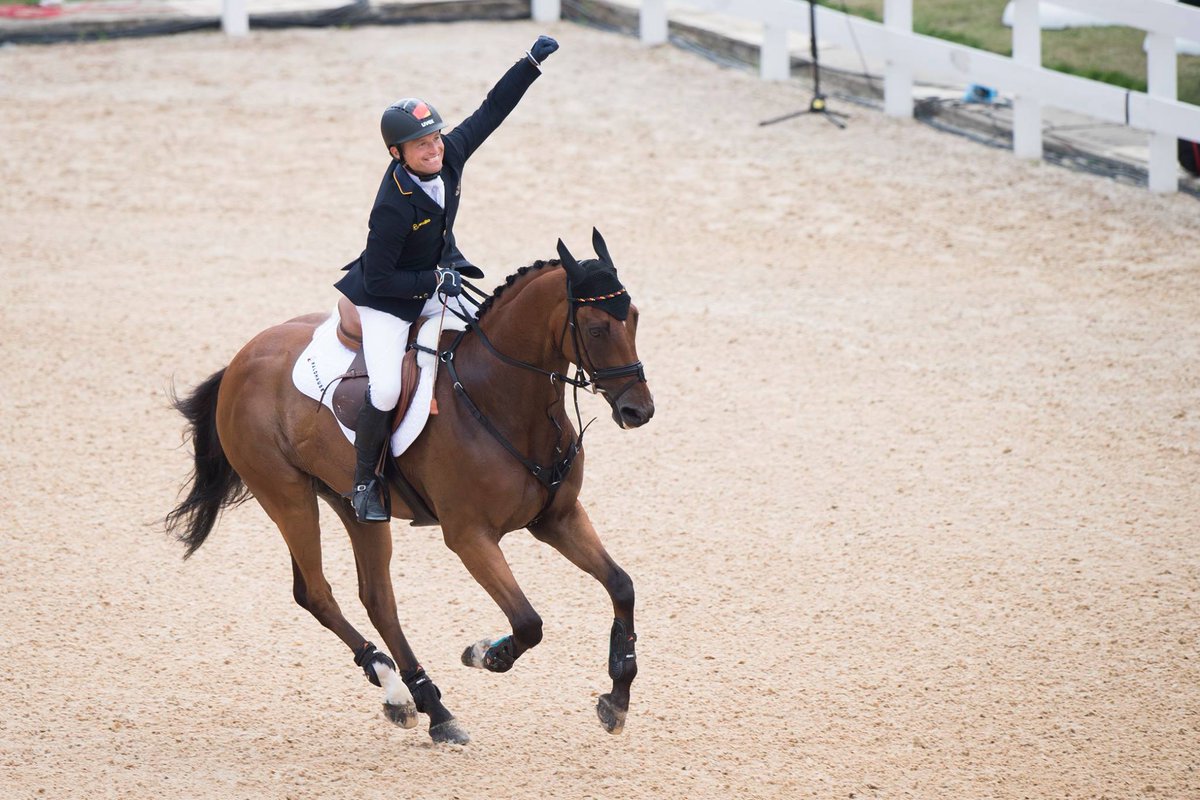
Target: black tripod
column 817, row 104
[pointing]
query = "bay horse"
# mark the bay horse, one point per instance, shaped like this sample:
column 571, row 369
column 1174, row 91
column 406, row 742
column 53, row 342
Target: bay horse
column 501, row 454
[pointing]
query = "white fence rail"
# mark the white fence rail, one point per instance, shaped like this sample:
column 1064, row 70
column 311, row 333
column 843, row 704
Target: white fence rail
column 908, row 56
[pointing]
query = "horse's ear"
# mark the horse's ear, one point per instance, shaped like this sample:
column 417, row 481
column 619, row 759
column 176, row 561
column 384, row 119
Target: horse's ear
column 575, row 272
column 601, row 248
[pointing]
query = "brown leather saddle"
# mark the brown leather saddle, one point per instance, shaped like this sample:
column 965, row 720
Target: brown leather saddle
column 351, row 388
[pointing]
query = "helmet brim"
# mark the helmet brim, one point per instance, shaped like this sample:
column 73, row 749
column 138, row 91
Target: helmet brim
column 418, row 134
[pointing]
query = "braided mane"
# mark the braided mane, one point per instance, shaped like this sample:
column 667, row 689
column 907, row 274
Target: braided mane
column 536, row 266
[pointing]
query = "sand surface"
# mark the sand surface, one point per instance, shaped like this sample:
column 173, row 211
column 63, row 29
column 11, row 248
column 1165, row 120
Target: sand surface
column 918, row 515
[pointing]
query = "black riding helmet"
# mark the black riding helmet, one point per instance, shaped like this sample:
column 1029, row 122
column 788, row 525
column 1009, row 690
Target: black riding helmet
column 409, row 119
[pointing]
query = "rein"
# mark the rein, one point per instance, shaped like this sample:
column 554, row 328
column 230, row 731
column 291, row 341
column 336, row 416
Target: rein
column 552, row 476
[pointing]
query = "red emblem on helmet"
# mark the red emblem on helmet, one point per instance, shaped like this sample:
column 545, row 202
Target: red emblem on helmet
column 421, row 111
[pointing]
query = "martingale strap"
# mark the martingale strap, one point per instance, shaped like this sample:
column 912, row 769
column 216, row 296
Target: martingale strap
column 552, row 476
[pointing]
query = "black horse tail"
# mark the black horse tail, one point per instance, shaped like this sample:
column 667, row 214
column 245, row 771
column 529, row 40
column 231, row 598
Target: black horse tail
column 214, row 484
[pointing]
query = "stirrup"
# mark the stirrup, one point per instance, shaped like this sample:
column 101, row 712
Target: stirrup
column 367, row 503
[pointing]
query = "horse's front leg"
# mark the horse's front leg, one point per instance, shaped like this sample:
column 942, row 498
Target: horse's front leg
column 480, row 553
column 572, row 534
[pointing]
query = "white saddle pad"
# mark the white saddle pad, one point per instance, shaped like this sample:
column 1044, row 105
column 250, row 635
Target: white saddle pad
column 326, row 358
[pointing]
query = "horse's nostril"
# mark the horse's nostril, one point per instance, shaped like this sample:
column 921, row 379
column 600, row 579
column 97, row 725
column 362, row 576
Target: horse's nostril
column 633, row 415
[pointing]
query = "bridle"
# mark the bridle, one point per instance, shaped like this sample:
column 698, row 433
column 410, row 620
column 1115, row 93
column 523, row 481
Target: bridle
column 598, row 374
column 587, row 376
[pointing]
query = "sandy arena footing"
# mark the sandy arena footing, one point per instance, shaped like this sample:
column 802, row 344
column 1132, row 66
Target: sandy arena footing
column 916, row 516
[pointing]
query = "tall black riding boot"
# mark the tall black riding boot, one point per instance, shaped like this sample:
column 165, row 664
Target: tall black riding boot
column 369, row 438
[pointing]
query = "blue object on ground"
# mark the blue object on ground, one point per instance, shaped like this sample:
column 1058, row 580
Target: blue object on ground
column 979, row 94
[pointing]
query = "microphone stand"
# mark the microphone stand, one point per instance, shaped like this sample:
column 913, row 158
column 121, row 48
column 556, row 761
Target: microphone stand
column 817, row 105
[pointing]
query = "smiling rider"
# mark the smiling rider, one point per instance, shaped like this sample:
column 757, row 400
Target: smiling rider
column 411, row 257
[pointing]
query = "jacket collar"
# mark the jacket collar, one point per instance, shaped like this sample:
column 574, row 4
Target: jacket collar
column 412, row 192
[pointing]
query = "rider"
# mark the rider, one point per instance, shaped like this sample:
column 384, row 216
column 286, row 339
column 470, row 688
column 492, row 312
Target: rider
column 411, row 256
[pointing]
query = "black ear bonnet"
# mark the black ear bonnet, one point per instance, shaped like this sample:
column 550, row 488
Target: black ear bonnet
column 601, row 288
column 594, row 282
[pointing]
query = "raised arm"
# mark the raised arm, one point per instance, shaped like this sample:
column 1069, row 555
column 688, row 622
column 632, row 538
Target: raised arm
column 500, row 101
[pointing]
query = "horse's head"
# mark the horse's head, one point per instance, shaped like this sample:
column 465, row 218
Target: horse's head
column 603, row 325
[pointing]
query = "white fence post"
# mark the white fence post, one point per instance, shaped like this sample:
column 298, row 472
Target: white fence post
column 898, row 77
column 546, row 10
column 774, row 61
column 235, row 19
column 1027, row 108
column 1162, row 79
column 653, row 21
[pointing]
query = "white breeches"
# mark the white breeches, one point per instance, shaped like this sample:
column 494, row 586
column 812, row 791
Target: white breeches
column 384, row 338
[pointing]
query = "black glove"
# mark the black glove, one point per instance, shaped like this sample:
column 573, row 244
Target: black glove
column 542, row 48
column 449, row 282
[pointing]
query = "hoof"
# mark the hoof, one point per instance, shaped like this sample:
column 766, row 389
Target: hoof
column 449, row 731
column 474, row 655
column 611, row 717
column 404, row 714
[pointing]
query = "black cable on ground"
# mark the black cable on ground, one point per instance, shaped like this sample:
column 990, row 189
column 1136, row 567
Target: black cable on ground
column 1056, row 150
column 116, row 31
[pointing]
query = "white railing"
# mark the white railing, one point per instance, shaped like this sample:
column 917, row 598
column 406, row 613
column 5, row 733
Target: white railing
column 546, row 10
column 235, row 17
column 908, row 56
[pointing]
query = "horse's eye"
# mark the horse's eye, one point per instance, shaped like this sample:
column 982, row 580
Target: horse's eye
column 596, row 331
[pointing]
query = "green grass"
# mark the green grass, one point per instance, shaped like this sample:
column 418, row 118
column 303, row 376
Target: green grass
column 1112, row 55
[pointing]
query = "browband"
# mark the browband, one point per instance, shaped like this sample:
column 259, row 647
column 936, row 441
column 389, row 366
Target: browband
column 599, row 298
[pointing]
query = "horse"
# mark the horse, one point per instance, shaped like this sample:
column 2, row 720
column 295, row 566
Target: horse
column 500, row 454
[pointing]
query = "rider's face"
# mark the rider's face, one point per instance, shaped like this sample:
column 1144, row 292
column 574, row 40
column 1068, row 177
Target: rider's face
column 424, row 156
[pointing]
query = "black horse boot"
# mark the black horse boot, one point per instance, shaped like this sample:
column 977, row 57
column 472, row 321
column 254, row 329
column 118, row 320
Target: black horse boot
column 370, row 436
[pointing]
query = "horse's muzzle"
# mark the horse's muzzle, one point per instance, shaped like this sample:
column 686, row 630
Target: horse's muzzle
column 634, row 409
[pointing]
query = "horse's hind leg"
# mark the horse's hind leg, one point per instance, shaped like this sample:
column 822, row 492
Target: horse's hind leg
column 372, row 545
column 572, row 535
column 291, row 502
column 380, row 670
